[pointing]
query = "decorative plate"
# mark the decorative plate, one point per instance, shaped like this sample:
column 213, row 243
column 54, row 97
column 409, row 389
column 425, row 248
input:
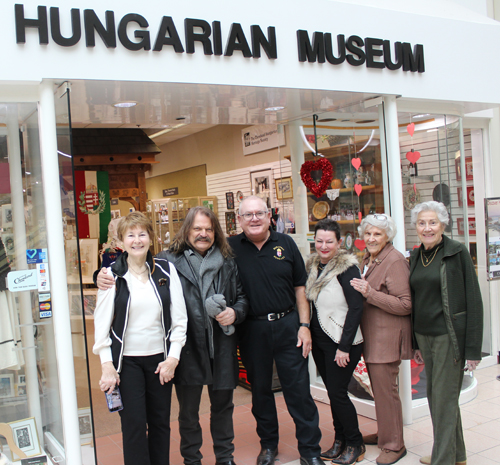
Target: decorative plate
column 411, row 198
column 348, row 241
column 239, row 196
column 321, row 209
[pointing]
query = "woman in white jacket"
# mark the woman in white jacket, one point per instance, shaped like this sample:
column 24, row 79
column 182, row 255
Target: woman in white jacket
column 140, row 329
column 336, row 309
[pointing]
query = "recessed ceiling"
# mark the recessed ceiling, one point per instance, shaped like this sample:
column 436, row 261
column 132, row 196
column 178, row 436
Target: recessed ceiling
column 159, row 105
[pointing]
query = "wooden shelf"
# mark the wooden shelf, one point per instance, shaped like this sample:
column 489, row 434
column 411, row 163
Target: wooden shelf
column 312, row 223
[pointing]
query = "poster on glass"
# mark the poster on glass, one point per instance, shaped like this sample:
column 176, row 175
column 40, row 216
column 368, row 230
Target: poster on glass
column 492, row 207
column 260, row 185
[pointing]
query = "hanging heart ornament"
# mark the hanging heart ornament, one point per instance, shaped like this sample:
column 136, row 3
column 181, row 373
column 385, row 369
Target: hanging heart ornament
column 356, row 162
column 412, row 156
column 410, row 129
column 358, row 188
column 323, row 165
column 360, row 244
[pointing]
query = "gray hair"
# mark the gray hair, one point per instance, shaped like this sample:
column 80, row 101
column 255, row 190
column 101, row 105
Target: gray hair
column 437, row 207
column 253, row 197
column 381, row 221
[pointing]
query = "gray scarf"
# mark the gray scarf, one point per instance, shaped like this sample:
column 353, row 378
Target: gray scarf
column 206, row 270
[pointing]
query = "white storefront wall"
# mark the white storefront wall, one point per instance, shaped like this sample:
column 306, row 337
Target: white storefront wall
column 459, row 75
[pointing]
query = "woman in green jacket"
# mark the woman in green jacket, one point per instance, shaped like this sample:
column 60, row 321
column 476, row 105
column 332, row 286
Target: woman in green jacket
column 447, row 325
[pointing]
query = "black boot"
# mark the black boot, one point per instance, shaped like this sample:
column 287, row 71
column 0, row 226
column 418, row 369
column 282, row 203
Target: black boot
column 351, row 455
column 334, row 451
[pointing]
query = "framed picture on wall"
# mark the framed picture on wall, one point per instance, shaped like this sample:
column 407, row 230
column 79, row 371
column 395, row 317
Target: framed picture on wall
column 7, row 216
column 470, row 196
column 284, row 189
column 229, row 200
column 7, row 385
column 469, row 174
column 230, row 223
column 85, row 424
column 472, row 226
column 260, row 185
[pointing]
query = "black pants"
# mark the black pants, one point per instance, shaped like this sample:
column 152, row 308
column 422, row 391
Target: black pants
column 261, row 342
column 221, row 423
column 146, row 412
column 336, row 379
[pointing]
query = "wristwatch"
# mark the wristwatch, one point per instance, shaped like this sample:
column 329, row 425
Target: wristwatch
column 305, row 324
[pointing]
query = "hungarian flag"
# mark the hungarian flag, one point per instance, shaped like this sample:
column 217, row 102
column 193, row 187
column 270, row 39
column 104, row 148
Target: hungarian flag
column 93, row 206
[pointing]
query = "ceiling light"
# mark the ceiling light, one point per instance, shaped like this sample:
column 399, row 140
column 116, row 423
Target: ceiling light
column 326, row 120
column 167, row 130
column 124, row 104
column 275, row 108
column 421, row 116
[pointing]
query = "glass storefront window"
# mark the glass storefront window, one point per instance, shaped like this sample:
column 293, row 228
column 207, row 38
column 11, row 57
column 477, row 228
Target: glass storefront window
column 29, row 385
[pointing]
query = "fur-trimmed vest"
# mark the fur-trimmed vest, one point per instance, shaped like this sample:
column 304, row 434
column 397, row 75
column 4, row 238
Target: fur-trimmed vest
column 327, row 294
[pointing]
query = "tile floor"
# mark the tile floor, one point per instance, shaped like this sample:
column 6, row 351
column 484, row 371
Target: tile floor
column 480, row 417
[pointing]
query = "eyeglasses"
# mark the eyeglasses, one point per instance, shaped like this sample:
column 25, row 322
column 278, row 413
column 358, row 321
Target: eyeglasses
column 379, row 216
column 249, row 215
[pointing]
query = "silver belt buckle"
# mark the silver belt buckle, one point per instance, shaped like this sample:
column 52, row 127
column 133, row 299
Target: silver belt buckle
column 272, row 317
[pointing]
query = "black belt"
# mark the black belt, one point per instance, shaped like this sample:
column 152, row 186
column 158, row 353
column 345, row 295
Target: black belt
column 271, row 316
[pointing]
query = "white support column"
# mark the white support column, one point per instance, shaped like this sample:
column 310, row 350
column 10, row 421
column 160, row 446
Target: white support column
column 57, row 269
column 397, row 213
column 25, row 310
column 299, row 190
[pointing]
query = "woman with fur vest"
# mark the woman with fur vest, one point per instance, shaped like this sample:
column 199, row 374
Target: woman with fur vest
column 336, row 309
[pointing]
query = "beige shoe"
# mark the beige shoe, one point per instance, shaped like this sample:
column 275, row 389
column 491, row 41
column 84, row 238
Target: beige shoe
column 388, row 457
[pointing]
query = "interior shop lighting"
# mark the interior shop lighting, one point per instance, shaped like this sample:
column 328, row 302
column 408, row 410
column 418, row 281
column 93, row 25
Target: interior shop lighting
column 306, row 143
column 166, row 130
column 275, row 108
column 368, row 143
column 124, row 104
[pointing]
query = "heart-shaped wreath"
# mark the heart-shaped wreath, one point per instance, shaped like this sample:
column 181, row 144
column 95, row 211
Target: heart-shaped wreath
column 326, row 178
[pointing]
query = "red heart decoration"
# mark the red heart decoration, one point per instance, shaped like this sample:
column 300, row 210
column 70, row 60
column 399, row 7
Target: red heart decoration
column 358, row 188
column 360, row 216
column 356, row 162
column 326, row 178
column 411, row 129
column 360, row 244
column 412, row 156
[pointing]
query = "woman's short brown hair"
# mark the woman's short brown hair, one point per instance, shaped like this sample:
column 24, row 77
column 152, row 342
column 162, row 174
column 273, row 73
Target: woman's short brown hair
column 135, row 220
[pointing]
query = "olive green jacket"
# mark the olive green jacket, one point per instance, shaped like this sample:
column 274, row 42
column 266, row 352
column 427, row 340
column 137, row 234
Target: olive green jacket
column 461, row 296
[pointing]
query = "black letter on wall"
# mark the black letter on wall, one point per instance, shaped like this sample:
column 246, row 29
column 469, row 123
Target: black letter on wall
column 237, row 41
column 22, row 23
column 413, row 61
column 308, row 51
column 398, row 55
column 217, row 38
column 92, row 24
column 353, row 45
column 329, row 49
column 55, row 27
column 259, row 40
column 167, row 26
column 203, row 37
column 145, row 43
column 371, row 53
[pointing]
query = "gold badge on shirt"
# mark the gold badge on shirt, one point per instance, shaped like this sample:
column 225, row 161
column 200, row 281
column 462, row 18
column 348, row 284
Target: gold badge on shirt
column 280, row 252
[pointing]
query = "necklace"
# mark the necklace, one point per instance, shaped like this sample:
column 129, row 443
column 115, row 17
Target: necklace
column 138, row 273
column 428, row 260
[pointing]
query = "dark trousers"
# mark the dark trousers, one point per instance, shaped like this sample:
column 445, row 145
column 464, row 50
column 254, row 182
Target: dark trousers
column 145, row 416
column 261, row 342
column 336, row 379
column 444, row 381
column 221, row 423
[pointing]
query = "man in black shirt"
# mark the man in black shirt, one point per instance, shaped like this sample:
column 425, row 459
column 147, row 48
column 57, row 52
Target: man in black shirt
column 277, row 328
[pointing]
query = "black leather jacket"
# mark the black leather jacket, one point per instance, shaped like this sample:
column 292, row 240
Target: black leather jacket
column 194, row 367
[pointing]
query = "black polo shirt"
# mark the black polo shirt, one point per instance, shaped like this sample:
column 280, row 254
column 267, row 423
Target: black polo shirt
column 269, row 275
